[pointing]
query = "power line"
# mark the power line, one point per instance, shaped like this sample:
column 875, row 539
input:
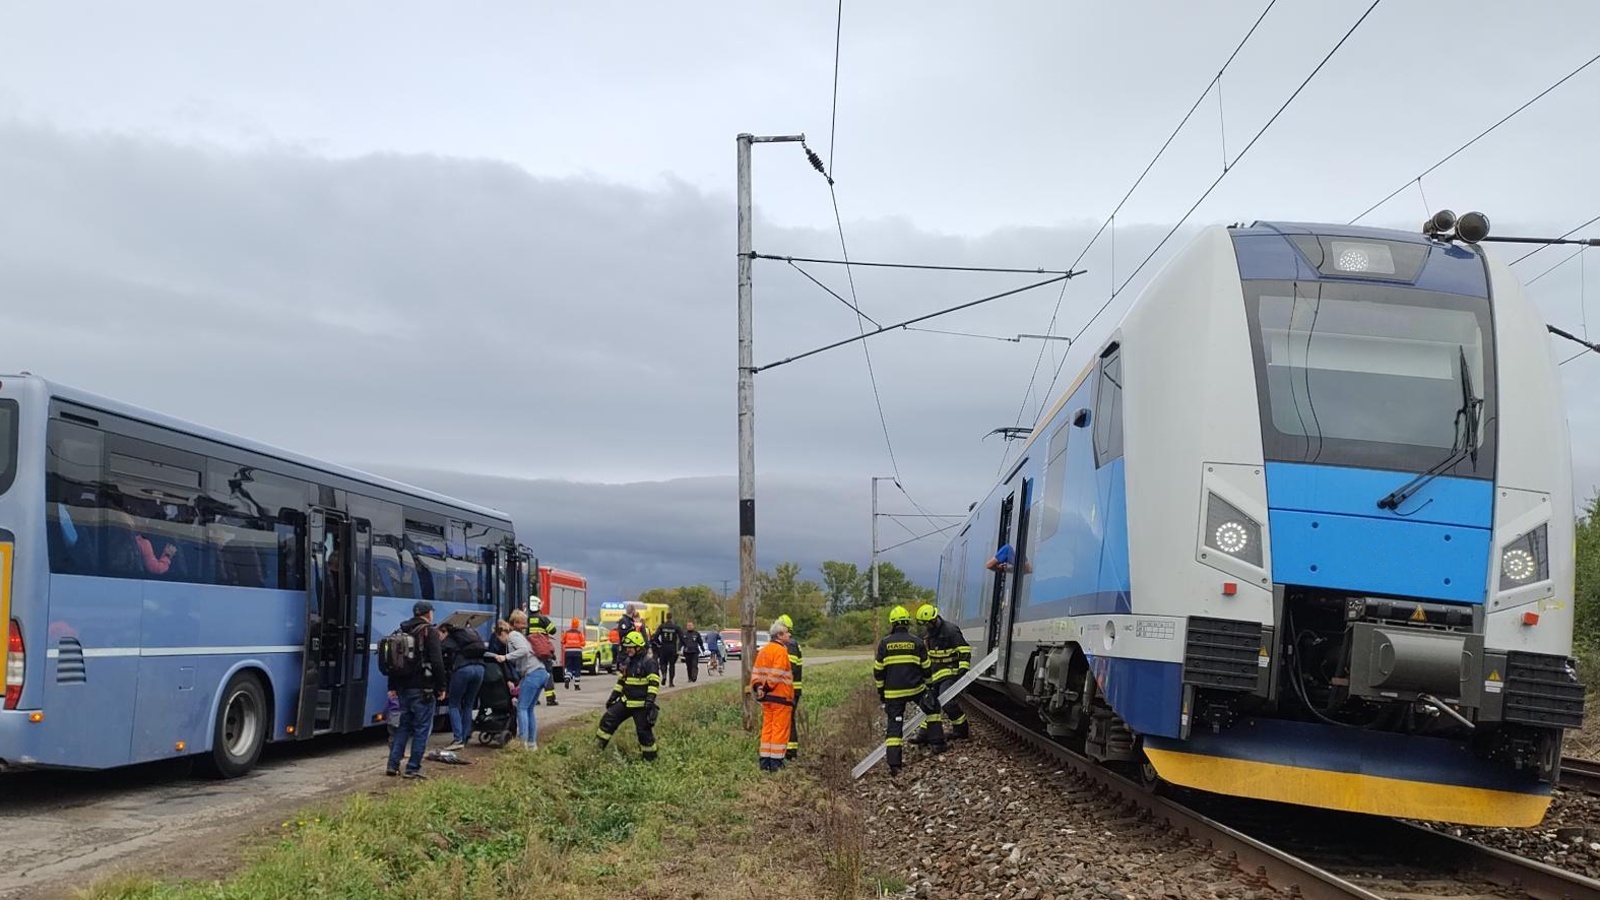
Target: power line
column 923, row 516
column 920, row 537
column 987, row 337
column 1055, row 313
column 833, row 117
column 1569, row 233
column 835, row 294
column 1531, row 281
column 1207, row 193
column 1452, row 154
column 847, row 262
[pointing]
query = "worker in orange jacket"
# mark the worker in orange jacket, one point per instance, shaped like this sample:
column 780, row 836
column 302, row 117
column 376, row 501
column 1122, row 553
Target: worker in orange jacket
column 616, row 649
column 772, row 682
column 572, row 641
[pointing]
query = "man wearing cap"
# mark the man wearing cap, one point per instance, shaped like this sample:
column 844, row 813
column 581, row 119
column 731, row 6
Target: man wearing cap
column 418, row 693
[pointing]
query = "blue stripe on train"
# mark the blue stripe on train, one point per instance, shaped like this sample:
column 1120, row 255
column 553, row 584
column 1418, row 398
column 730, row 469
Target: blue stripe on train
column 1327, row 531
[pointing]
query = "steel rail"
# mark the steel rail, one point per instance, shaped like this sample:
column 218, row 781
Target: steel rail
column 1580, row 775
column 1279, row 869
column 1289, row 872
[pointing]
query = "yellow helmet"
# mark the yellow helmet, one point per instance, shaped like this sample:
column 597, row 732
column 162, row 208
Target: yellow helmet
column 927, row 612
column 899, row 615
column 634, row 639
column 787, row 622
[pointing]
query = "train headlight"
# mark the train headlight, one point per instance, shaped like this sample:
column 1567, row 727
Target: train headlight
column 1232, row 532
column 1526, row 560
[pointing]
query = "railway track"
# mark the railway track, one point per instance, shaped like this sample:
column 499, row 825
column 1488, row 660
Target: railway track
column 1580, row 775
column 1320, row 854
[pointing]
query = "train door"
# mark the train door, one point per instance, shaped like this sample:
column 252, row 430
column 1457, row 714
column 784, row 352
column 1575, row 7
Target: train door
column 1015, row 579
column 334, row 672
column 998, row 592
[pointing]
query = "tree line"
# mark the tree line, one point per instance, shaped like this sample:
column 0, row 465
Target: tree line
column 837, row 611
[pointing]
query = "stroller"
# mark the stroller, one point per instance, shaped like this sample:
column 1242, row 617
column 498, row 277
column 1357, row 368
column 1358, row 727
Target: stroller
column 496, row 720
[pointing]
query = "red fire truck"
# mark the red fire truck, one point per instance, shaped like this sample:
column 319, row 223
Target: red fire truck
column 563, row 596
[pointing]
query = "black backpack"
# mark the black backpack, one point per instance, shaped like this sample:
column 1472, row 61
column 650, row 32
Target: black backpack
column 400, row 653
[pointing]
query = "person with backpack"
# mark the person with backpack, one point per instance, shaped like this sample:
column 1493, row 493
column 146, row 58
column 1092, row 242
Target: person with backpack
column 463, row 651
column 531, row 676
column 573, row 641
column 539, row 623
column 414, row 664
column 668, row 641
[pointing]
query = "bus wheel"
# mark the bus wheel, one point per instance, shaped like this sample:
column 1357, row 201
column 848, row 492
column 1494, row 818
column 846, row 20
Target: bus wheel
column 241, row 727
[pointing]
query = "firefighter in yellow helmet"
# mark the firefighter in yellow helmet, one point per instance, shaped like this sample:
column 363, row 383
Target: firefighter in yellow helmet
column 795, row 666
column 901, row 670
column 638, row 683
column 950, row 657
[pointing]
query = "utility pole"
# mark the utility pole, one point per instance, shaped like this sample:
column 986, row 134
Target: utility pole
column 747, row 415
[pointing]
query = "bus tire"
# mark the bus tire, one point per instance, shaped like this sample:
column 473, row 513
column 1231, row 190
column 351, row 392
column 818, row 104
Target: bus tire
column 241, row 727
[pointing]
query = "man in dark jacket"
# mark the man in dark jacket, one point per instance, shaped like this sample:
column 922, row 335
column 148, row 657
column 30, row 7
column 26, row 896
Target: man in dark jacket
column 634, row 697
column 418, row 692
column 900, row 670
column 693, row 646
column 950, row 657
column 668, row 641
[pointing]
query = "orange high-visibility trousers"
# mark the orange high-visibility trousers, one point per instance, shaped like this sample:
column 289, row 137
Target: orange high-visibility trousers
column 775, row 719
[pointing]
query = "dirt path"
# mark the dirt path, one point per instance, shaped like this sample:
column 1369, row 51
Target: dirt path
column 68, row 829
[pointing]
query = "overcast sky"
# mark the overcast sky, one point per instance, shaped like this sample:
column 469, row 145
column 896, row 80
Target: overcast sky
column 490, row 246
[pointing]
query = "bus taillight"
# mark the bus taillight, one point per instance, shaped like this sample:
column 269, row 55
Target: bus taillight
column 15, row 657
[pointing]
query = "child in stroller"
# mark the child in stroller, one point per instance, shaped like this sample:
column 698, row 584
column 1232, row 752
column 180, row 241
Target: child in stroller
column 497, row 710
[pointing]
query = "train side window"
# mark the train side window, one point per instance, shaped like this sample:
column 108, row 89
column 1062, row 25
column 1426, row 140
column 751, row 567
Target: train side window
column 1055, row 481
column 1108, row 408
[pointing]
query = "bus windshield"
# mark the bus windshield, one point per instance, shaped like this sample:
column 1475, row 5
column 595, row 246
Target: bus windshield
column 1372, row 375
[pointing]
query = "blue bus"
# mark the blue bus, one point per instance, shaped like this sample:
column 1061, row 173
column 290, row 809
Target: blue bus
column 167, row 590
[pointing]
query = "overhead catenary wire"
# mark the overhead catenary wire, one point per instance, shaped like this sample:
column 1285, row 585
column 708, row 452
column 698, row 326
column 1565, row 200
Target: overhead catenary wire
column 1481, row 135
column 1217, row 181
column 1566, row 234
column 926, row 266
column 920, row 537
column 967, row 334
column 1056, row 311
column 856, row 309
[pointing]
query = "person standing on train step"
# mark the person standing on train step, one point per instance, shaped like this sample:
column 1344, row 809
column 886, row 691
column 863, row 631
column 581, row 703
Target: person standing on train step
column 795, row 657
column 693, row 646
column 572, row 644
column 950, row 657
column 668, row 641
column 900, row 671
column 772, row 683
column 539, row 622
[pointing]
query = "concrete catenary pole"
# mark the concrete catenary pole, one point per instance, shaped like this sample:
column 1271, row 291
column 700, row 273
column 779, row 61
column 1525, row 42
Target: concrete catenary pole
column 747, row 415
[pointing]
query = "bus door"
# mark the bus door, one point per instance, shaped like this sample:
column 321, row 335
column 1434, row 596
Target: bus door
column 329, row 662
column 998, row 594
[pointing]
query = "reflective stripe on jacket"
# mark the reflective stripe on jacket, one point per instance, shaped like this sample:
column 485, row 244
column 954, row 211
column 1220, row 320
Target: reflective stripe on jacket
column 949, row 654
column 795, row 666
column 900, row 668
column 772, row 672
column 572, row 639
column 638, row 681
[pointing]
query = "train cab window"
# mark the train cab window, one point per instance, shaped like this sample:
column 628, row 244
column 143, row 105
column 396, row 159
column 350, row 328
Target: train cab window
column 1108, row 408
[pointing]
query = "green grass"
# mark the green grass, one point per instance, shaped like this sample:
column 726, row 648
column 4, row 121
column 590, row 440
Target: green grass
column 567, row 821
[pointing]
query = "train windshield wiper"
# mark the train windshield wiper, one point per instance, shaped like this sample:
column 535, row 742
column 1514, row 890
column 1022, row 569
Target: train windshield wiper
column 1466, row 443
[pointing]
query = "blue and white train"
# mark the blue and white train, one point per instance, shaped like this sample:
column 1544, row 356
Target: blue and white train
column 1302, row 531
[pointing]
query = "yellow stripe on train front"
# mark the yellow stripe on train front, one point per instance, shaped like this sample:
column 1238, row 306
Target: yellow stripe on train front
column 1350, row 791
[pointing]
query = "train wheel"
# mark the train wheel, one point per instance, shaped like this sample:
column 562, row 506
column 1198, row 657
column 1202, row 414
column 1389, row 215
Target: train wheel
column 240, row 729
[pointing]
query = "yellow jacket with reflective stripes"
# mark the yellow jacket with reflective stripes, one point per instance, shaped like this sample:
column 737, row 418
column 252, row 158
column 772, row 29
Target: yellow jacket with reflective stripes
column 638, row 681
column 900, row 668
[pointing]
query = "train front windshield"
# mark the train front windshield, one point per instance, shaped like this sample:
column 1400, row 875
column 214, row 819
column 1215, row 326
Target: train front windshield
column 1373, row 375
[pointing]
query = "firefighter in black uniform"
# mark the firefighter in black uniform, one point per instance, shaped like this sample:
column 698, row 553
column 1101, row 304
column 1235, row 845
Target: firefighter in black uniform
column 795, row 660
column 638, row 683
column 901, row 672
column 950, row 656
column 538, row 621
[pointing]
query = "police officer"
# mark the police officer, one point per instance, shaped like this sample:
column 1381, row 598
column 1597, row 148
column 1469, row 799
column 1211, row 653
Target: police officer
column 538, row 621
column 900, row 670
column 950, row 657
column 795, row 666
column 638, row 683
